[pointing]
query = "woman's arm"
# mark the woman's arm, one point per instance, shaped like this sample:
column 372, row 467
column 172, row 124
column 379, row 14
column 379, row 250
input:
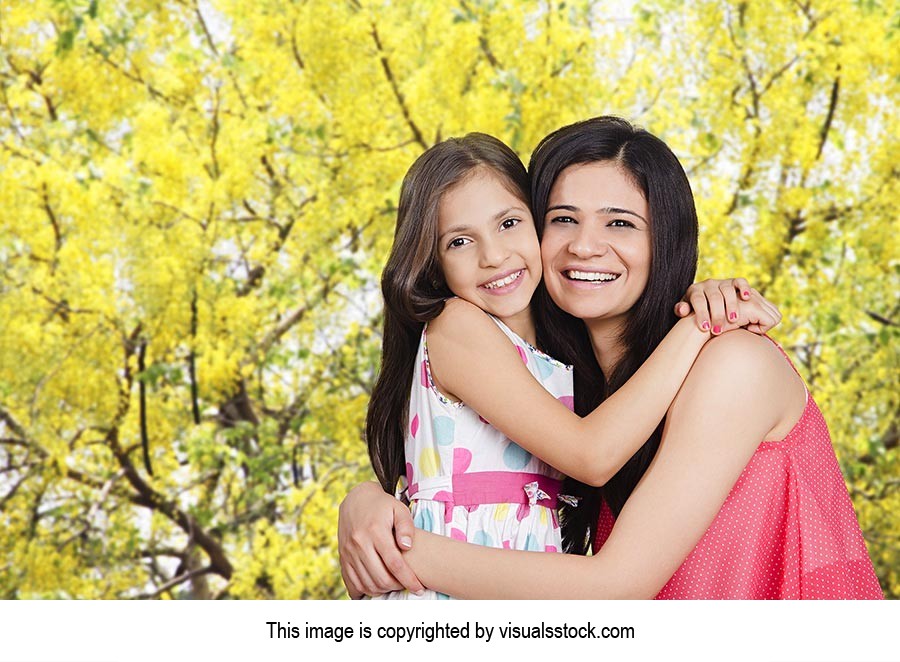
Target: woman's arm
column 739, row 391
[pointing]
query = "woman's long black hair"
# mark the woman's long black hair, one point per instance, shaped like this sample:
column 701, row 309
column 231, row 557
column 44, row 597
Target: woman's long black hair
column 413, row 285
column 655, row 170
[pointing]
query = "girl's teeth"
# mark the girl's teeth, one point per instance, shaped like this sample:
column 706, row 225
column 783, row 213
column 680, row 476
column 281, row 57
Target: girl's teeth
column 503, row 281
column 590, row 275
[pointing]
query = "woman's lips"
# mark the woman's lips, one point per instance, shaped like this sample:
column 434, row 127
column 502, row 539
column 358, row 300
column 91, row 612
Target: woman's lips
column 585, row 277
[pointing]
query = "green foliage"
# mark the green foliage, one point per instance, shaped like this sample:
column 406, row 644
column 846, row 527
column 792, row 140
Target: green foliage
column 199, row 196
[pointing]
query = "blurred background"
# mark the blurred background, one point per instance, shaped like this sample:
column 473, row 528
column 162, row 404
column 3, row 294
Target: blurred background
column 197, row 198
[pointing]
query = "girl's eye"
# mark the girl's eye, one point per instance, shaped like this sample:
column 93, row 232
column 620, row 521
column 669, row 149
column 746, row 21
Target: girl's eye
column 563, row 219
column 458, row 242
column 621, row 223
column 510, row 223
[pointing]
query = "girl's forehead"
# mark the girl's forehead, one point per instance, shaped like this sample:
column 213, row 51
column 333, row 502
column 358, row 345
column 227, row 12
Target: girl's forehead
column 488, row 176
column 482, row 188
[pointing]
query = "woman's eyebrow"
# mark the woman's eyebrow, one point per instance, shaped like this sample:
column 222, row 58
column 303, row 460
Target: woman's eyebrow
column 563, row 207
column 602, row 210
column 619, row 210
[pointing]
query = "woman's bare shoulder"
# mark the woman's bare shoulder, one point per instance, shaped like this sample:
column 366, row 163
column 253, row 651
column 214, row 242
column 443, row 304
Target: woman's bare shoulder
column 744, row 353
column 747, row 374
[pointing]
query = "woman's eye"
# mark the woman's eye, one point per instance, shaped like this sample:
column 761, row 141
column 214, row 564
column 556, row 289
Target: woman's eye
column 458, row 242
column 562, row 219
column 510, row 223
column 620, row 223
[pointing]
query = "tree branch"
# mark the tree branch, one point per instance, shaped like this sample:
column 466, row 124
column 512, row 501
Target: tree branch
column 398, row 95
column 832, row 105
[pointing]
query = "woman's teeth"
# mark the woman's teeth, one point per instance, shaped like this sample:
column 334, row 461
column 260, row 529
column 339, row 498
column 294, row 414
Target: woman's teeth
column 591, row 276
column 501, row 282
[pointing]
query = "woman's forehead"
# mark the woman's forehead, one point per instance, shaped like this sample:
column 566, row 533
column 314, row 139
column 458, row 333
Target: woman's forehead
column 596, row 186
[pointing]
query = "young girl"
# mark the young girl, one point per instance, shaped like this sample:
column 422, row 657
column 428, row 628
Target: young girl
column 464, row 228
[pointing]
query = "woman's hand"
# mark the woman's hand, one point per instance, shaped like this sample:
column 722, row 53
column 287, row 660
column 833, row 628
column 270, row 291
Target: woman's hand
column 373, row 527
column 723, row 305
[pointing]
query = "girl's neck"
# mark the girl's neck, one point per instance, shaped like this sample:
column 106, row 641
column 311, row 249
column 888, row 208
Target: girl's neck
column 606, row 339
column 522, row 324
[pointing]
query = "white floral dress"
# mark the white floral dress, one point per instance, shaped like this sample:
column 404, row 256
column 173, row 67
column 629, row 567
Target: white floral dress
column 466, row 480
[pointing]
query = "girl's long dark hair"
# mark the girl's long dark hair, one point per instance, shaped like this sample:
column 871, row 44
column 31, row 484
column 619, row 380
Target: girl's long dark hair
column 413, row 284
column 655, row 170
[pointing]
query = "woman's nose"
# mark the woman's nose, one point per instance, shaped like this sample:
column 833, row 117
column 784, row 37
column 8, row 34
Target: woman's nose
column 588, row 242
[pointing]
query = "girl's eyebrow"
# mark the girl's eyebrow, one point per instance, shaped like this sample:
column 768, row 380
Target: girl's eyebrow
column 602, row 210
column 466, row 228
column 455, row 228
column 503, row 213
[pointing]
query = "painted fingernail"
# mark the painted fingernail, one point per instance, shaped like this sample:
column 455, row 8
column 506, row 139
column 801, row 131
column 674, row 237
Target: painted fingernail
column 406, row 541
column 705, row 326
column 746, row 293
column 732, row 316
column 717, row 329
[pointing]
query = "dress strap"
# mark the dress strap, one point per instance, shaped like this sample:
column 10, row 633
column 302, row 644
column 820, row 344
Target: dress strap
column 790, row 363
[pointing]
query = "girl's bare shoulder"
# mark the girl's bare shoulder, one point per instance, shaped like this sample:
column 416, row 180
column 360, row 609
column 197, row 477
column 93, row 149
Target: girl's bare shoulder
column 460, row 319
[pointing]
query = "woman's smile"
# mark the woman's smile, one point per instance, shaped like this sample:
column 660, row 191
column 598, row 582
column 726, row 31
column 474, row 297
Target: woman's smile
column 588, row 276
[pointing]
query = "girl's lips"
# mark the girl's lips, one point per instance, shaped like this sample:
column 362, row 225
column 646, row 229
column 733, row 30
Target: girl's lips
column 504, row 283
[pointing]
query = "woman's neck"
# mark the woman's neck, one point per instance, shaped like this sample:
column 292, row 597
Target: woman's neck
column 606, row 339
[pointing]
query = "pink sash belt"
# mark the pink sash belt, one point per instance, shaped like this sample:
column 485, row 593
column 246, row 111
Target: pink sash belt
column 483, row 487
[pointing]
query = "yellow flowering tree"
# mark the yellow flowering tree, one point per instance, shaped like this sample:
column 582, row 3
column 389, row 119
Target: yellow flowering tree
column 198, row 197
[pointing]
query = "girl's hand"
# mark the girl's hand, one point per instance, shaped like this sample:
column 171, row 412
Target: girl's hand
column 373, row 527
column 723, row 305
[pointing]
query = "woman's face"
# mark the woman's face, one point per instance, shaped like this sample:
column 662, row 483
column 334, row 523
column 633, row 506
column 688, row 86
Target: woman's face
column 596, row 244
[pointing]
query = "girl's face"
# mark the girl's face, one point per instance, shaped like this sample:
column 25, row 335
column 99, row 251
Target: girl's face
column 487, row 245
column 596, row 243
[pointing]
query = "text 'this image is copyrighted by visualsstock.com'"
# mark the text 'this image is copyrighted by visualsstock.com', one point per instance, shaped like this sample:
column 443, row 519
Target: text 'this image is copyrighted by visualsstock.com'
column 430, row 632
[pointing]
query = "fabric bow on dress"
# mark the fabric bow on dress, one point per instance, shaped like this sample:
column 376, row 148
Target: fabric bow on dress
column 534, row 493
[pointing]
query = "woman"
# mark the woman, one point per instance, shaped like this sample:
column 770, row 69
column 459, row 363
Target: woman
column 738, row 494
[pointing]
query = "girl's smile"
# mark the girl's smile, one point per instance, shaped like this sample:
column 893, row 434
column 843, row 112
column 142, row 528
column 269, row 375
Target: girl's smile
column 505, row 283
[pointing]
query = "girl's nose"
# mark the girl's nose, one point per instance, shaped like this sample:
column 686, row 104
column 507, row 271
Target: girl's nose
column 493, row 254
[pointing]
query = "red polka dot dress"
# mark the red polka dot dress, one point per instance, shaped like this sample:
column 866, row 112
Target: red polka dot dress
column 787, row 529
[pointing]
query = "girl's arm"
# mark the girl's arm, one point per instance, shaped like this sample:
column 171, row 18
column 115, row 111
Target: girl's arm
column 473, row 361
column 739, row 392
